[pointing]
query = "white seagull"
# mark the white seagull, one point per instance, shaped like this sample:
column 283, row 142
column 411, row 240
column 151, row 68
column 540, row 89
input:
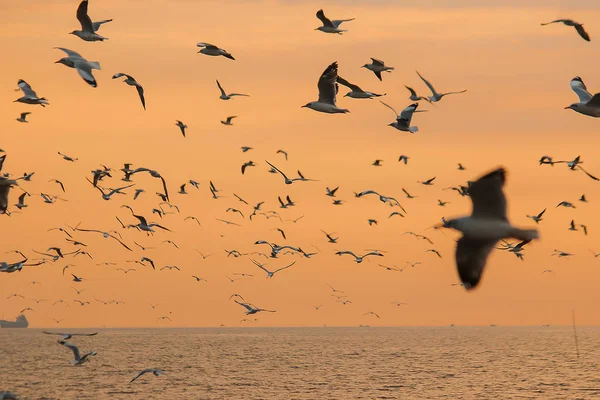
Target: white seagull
column 377, row 67
column 225, row 96
column 328, row 89
column 356, row 92
column 78, row 358
column 29, row 96
column 84, row 67
column 212, row 50
column 484, row 228
column 132, row 82
column 403, row 119
column 270, row 274
column 330, row 26
column 588, row 104
column 435, row 95
column 156, row 372
column 358, row 259
column 88, row 29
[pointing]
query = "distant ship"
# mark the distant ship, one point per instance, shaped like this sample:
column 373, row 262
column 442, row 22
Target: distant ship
column 20, row 322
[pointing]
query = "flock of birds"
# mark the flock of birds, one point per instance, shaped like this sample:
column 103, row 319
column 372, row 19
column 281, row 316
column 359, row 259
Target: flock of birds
column 481, row 231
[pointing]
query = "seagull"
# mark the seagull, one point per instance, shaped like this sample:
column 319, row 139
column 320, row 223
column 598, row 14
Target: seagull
column 110, row 192
column 403, row 159
column 29, row 96
column 59, row 183
column 403, row 119
column 330, row 26
column 194, row 219
column 163, row 318
column 84, row 67
column 228, row 122
column 67, row 158
column 251, row 309
column 570, row 22
column 199, row 279
column 331, row 192
column 372, row 313
column 171, row 267
column 78, row 358
column 358, row 259
column 88, row 31
column 583, row 199
column 5, row 185
column 437, row 253
column 486, row 225
column 270, row 274
column 356, row 92
column 547, row 271
column 23, row 116
column 132, row 82
column 588, row 104
column 67, row 336
column 181, row 126
column 212, row 50
column 225, row 96
column 565, row 204
column 561, row 254
column 377, row 66
column 408, row 195
column 377, row 163
column 246, row 165
column 156, row 372
column 428, row 182
column 460, row 167
column 328, row 89
column 435, row 95
column 442, row 203
column 330, row 238
column 537, row 218
column 414, row 97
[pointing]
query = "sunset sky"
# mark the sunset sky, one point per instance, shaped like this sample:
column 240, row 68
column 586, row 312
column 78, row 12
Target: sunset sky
column 517, row 76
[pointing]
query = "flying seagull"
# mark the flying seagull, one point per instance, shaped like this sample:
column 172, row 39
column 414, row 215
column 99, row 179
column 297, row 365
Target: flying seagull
column 377, row 66
column 82, row 66
column 358, row 259
column 23, row 116
column 587, row 105
column 132, row 82
column 537, row 218
column 570, row 22
column 356, row 92
column 414, row 96
column 228, row 120
column 29, row 96
column 251, row 309
column 87, row 32
column 225, row 96
column 78, row 358
column 330, row 26
column 156, row 372
column 67, row 336
column 403, row 119
column 212, row 50
column 328, row 89
column 484, row 228
column 181, row 126
column 435, row 97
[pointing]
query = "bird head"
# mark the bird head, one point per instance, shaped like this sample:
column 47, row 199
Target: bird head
column 365, row 66
column 573, row 106
column 307, row 105
column 73, row 33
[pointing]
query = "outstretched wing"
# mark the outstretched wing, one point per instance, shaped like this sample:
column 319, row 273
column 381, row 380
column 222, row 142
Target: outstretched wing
column 471, row 256
column 428, row 84
column 326, row 21
column 27, row 90
column 327, row 85
column 487, row 196
column 582, row 32
column 84, row 18
column 70, row 53
column 352, row 87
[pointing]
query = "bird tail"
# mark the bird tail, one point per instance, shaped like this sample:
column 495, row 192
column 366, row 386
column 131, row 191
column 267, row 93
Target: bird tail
column 526, row 235
column 228, row 56
column 413, row 129
column 95, row 65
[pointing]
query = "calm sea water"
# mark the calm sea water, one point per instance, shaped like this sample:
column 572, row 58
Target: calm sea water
column 308, row 363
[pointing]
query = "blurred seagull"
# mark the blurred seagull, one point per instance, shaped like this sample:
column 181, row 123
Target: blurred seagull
column 537, row 218
column 132, row 82
column 270, row 274
column 212, row 50
column 82, row 66
column 251, row 309
column 228, row 121
column 78, row 358
column 356, row 92
column 23, row 116
column 181, row 126
column 403, row 119
column 5, row 185
column 156, row 372
column 358, row 259
column 377, row 66
column 29, row 96
column 435, row 95
column 328, row 89
column 414, row 97
column 570, row 22
column 225, row 96
column 88, row 30
column 484, row 228
column 330, row 26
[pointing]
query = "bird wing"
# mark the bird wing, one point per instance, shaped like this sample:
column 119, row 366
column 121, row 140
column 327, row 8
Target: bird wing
column 122, row 244
column 84, row 70
column 377, row 74
column 120, row 74
column 276, row 169
column 411, row 90
column 338, row 22
column 245, row 305
column 580, row 90
column 582, row 32
column 594, row 101
column 407, row 113
column 390, row 107
column 352, row 87
column 282, row 268
column 326, row 21
column 542, row 213
column 487, row 196
column 471, row 256
column 70, row 53
column 73, row 348
column 27, row 90
column 140, row 91
column 428, row 84
column 221, row 88
column 165, row 187
column 84, row 18
column 587, row 173
column 207, row 45
column 327, row 84
column 377, row 62
column 140, row 374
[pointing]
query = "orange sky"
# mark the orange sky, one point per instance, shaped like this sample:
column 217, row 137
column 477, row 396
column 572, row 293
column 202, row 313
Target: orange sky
column 517, row 74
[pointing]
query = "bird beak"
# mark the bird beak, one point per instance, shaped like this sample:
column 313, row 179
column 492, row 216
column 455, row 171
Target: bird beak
column 57, row 62
column 566, row 108
column 303, row 106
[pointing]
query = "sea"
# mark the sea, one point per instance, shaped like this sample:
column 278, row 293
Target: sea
column 307, row 363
